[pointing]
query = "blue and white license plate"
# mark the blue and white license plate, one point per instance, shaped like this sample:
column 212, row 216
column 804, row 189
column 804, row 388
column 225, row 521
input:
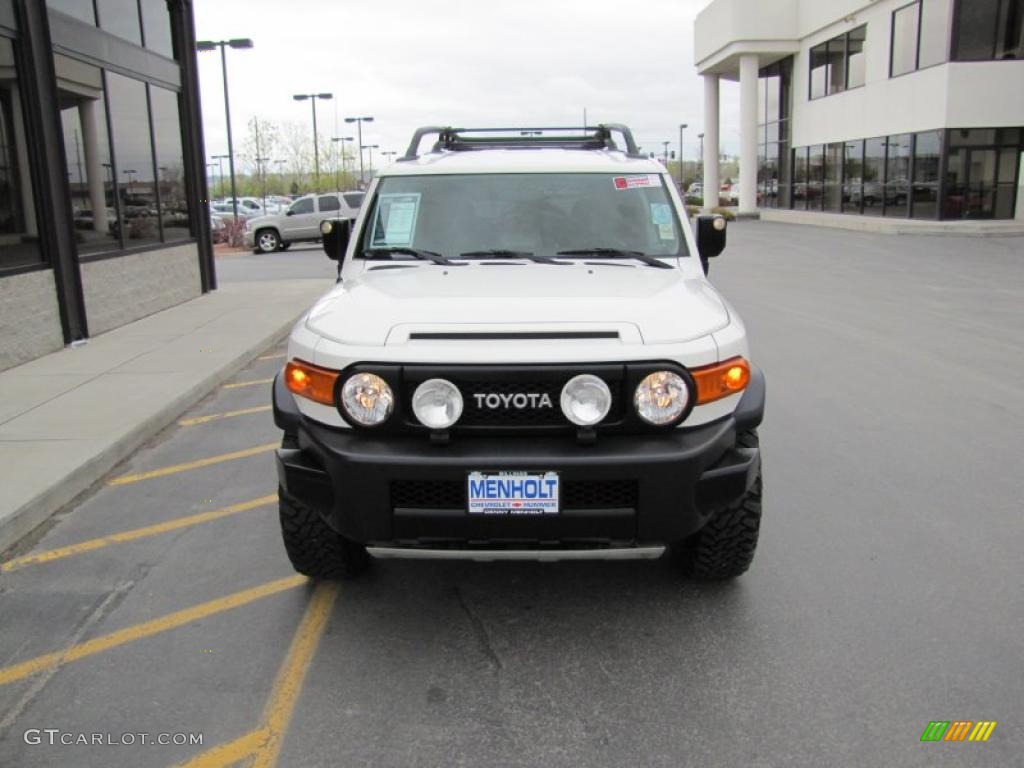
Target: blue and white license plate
column 513, row 493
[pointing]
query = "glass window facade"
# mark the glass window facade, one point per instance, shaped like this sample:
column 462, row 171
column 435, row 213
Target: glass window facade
column 19, row 224
column 156, row 26
column 773, row 174
column 838, row 64
column 126, row 170
column 989, row 30
column 121, row 18
column 920, row 36
column 957, row 173
column 83, row 10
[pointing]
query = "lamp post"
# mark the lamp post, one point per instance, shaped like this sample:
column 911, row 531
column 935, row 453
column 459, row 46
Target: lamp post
column 312, row 97
column 342, row 140
column 280, row 173
column 370, row 147
column 130, row 173
column 664, row 152
column 682, row 127
column 261, row 164
column 220, row 165
column 359, row 133
column 389, row 154
column 212, row 45
column 700, row 174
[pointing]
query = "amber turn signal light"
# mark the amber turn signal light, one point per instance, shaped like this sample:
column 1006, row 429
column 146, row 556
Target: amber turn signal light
column 311, row 381
column 721, row 380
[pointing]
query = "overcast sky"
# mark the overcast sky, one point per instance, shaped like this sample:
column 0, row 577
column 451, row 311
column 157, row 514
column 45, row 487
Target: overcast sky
column 482, row 63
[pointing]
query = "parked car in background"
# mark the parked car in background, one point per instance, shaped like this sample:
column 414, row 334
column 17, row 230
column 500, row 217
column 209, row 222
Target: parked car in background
column 228, row 210
column 300, row 222
column 695, row 191
column 218, row 229
column 730, row 192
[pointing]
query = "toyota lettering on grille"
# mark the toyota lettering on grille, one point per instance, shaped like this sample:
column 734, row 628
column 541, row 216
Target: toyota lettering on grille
column 518, row 400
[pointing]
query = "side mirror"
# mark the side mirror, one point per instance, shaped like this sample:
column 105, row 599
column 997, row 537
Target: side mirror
column 710, row 237
column 289, row 212
column 336, row 234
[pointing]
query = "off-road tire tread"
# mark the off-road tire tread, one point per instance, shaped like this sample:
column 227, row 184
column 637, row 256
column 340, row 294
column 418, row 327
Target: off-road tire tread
column 313, row 548
column 724, row 548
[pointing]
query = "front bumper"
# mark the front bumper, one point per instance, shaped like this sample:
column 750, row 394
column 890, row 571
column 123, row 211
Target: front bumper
column 620, row 491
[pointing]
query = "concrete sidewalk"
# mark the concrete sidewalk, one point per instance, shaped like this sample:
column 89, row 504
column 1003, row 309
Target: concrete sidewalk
column 68, row 418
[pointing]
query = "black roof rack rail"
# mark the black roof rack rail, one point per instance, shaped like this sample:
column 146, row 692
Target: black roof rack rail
column 463, row 139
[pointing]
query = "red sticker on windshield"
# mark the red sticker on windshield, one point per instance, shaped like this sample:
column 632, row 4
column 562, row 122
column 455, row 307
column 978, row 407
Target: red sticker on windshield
column 632, row 182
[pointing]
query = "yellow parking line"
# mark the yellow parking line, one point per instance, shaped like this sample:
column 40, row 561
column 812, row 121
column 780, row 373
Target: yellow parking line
column 147, row 629
column 197, row 464
column 251, row 383
column 264, row 743
column 135, row 533
column 272, row 357
column 196, row 420
column 278, row 713
column 224, row 755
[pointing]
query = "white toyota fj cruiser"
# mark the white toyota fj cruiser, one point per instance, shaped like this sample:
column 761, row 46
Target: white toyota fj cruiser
column 522, row 359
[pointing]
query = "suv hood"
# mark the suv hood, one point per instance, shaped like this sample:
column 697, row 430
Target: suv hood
column 663, row 306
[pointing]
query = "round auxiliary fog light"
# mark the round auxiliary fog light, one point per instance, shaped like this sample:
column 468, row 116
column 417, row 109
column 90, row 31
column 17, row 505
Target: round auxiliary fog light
column 437, row 403
column 326, row 227
column 367, row 399
column 661, row 398
column 586, row 400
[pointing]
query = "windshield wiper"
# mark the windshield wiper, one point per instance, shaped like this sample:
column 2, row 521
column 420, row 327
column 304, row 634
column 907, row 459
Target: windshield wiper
column 503, row 253
column 617, row 253
column 416, row 253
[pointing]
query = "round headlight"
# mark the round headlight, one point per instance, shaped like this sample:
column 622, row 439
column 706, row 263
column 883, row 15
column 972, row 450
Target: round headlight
column 367, row 399
column 326, row 227
column 661, row 398
column 586, row 400
column 437, row 403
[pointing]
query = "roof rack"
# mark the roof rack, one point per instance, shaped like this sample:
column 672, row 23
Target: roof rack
column 463, row 139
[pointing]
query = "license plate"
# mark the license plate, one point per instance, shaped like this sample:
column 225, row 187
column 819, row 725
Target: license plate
column 513, row 493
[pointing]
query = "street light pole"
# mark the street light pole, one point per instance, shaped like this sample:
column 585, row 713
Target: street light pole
column 210, row 45
column 261, row 163
column 700, row 173
column 342, row 140
column 389, row 154
column 370, row 147
column 359, row 133
column 316, row 141
column 682, row 127
column 220, row 165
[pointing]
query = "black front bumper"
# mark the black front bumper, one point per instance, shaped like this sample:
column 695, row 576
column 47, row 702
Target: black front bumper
column 621, row 490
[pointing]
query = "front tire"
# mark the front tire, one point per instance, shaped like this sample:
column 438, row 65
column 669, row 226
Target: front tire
column 267, row 241
column 724, row 548
column 314, row 549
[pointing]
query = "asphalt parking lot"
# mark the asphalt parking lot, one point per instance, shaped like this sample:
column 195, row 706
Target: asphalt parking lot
column 886, row 592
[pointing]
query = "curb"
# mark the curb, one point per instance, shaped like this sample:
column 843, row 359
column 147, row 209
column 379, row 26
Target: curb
column 65, row 489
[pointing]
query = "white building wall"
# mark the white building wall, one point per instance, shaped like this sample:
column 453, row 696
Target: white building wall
column 30, row 320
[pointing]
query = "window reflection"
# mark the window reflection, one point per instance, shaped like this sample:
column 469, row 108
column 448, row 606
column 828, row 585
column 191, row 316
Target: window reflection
column 121, row 18
column 156, row 23
column 834, row 177
column 80, row 9
column 874, row 176
column 853, row 176
column 904, row 39
column 926, row 175
column 19, row 229
column 174, row 208
column 133, row 152
column 87, row 149
column 897, row 175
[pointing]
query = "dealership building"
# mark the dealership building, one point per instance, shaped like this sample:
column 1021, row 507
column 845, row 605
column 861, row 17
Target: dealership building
column 102, row 175
column 907, row 110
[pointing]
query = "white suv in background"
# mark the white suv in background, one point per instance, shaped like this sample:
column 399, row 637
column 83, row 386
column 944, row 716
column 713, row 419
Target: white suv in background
column 300, row 222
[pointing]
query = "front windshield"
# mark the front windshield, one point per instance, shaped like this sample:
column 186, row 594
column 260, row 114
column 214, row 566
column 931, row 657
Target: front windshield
column 542, row 214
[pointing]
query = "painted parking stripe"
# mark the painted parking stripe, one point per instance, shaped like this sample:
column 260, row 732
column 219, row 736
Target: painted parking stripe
column 250, row 383
column 197, row 420
column 189, row 465
column 264, row 743
column 136, row 533
column 146, row 629
column 280, row 356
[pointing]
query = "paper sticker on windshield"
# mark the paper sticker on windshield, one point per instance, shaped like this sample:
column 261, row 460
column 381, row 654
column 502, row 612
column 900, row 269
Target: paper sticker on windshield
column 661, row 213
column 395, row 221
column 666, row 232
column 634, row 182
